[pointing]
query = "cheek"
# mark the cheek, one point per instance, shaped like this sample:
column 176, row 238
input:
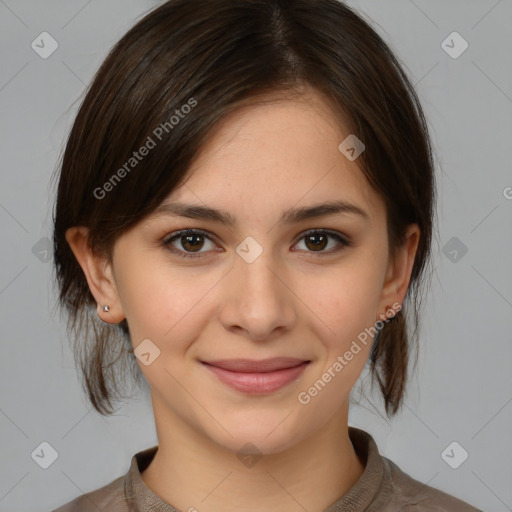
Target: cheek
column 345, row 299
column 346, row 302
column 160, row 302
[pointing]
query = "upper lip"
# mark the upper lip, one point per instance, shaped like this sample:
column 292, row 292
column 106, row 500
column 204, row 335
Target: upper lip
column 257, row 366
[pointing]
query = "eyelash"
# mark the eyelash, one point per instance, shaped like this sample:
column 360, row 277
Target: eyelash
column 184, row 254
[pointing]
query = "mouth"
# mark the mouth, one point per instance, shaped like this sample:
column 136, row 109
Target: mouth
column 257, row 377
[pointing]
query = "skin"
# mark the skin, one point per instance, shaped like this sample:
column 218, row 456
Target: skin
column 293, row 300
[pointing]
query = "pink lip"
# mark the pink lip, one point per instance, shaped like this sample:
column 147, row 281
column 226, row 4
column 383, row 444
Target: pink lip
column 257, row 377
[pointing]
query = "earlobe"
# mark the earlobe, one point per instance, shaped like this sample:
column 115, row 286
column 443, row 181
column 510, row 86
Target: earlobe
column 98, row 272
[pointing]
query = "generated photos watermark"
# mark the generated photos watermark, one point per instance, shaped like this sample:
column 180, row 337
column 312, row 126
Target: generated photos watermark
column 151, row 142
column 304, row 397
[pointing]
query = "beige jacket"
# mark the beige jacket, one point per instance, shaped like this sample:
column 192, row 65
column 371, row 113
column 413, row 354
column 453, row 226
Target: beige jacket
column 382, row 487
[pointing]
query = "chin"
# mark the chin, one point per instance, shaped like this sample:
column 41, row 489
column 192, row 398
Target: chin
column 266, row 434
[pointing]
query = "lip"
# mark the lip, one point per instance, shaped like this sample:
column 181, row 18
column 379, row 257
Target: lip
column 257, row 377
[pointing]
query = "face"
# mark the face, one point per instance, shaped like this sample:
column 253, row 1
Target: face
column 265, row 285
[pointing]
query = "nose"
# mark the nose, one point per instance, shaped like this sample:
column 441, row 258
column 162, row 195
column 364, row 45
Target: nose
column 257, row 299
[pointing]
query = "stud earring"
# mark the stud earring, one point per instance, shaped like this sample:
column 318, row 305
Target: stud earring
column 106, row 308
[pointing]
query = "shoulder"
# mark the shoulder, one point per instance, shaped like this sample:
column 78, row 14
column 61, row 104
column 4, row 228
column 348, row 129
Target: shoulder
column 410, row 495
column 110, row 497
column 119, row 495
column 384, row 487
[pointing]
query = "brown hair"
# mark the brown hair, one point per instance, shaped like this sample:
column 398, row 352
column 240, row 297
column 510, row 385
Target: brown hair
column 214, row 55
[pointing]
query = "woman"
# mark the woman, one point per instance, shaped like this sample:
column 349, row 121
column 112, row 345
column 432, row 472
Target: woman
column 245, row 203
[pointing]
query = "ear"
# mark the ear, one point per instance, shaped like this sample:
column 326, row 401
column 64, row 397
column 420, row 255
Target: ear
column 99, row 275
column 398, row 274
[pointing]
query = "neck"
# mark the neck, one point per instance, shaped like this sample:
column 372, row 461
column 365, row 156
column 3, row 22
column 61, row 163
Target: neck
column 191, row 472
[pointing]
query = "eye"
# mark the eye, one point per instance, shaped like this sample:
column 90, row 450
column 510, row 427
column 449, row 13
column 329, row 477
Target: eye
column 317, row 240
column 190, row 240
column 188, row 243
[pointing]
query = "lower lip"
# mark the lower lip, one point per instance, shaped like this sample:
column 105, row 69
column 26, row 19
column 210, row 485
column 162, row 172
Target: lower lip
column 258, row 383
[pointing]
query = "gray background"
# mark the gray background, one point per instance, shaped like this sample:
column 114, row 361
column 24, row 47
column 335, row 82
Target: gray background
column 462, row 389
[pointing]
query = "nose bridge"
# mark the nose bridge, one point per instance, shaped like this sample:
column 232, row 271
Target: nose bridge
column 254, row 264
column 260, row 301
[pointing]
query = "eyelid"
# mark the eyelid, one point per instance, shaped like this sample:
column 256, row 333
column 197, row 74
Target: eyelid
column 319, row 231
column 189, row 231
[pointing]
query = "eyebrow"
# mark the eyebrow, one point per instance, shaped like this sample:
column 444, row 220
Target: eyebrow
column 292, row 216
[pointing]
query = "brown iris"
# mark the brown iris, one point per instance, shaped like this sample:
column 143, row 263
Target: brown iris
column 316, row 245
column 192, row 241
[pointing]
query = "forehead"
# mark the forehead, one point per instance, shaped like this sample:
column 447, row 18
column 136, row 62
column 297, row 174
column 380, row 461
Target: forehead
column 273, row 154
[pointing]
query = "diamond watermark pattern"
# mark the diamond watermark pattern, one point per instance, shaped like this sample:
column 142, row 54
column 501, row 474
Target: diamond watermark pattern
column 351, row 147
column 42, row 250
column 249, row 249
column 146, row 352
column 44, row 45
column 249, row 455
column 454, row 455
column 454, row 45
column 454, row 250
column 44, row 455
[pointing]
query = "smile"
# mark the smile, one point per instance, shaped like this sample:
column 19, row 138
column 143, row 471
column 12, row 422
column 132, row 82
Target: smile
column 257, row 377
